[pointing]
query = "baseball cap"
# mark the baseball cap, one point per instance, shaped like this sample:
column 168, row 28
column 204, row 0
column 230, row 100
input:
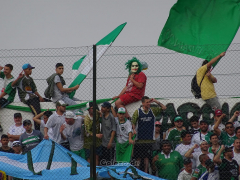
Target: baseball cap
column 70, row 114
column 218, row 112
column 157, row 123
column 25, row 66
column 26, row 122
column 79, row 112
column 187, row 161
column 17, row 115
column 121, row 110
column 203, row 141
column 61, row 103
column 178, row 118
column 16, row 143
column 106, row 104
column 209, row 163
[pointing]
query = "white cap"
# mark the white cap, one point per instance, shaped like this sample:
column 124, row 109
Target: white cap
column 121, row 110
column 70, row 114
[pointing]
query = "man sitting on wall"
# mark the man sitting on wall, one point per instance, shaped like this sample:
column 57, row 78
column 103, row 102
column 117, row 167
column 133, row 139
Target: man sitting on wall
column 135, row 87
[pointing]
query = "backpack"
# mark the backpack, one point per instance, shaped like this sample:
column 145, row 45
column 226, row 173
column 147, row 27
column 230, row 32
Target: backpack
column 195, row 89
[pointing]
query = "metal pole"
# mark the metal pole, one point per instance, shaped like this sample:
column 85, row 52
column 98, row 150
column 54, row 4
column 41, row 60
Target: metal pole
column 93, row 147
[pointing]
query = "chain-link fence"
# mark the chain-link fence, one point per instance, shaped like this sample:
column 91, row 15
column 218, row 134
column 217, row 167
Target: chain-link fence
column 157, row 136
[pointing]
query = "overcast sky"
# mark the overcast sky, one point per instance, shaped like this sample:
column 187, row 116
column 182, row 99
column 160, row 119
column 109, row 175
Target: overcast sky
column 72, row 23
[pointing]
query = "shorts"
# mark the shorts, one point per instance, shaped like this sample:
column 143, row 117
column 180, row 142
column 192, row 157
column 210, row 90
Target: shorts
column 98, row 152
column 80, row 153
column 142, row 150
column 127, row 99
column 214, row 103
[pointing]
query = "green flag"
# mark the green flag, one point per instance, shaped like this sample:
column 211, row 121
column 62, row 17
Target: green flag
column 124, row 151
column 202, row 28
column 87, row 61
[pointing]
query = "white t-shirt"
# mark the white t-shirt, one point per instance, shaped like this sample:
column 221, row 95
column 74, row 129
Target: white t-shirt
column 184, row 175
column 42, row 126
column 15, row 130
column 221, row 127
column 196, row 138
column 74, row 134
column 236, row 124
column 55, row 121
column 197, row 154
column 236, row 156
column 57, row 95
column 123, row 130
column 182, row 149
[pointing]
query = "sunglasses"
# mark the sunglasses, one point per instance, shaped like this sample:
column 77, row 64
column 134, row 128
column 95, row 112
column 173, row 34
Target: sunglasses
column 228, row 127
column 178, row 121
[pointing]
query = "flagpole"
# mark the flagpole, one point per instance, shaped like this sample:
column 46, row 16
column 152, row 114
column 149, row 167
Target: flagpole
column 93, row 147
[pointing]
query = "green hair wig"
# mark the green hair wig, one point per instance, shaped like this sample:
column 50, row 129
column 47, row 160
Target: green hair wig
column 129, row 63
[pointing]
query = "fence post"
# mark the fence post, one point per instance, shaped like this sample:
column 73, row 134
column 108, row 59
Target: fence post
column 93, row 147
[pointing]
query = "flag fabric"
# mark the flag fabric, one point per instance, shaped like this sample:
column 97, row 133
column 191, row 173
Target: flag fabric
column 124, row 151
column 201, row 28
column 87, row 61
column 49, row 160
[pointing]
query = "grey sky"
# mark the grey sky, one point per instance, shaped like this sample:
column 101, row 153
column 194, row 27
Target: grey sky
column 29, row 24
column 72, row 23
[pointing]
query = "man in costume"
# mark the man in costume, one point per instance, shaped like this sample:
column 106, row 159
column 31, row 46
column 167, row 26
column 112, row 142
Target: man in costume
column 135, row 86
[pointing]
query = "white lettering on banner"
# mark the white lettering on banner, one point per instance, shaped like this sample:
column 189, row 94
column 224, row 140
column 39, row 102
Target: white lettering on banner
column 146, row 119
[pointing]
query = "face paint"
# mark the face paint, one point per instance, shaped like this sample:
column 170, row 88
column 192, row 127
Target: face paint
column 134, row 67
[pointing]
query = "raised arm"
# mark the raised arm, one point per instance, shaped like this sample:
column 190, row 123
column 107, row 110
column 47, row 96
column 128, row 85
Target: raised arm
column 113, row 112
column 37, row 117
column 16, row 80
column 188, row 154
column 219, row 120
column 210, row 63
column 217, row 158
column 160, row 104
column 235, row 115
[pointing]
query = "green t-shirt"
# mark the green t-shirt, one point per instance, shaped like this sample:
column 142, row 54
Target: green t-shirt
column 169, row 167
column 175, row 137
column 199, row 171
column 226, row 139
column 8, row 87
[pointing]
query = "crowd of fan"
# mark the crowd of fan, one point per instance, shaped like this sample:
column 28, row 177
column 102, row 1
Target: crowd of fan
column 200, row 151
column 178, row 153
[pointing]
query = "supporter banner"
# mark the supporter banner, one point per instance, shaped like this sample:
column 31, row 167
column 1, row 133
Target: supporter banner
column 87, row 61
column 50, row 160
column 202, row 28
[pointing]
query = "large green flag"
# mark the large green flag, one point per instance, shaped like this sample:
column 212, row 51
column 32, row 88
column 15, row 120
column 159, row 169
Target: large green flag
column 87, row 61
column 202, row 28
